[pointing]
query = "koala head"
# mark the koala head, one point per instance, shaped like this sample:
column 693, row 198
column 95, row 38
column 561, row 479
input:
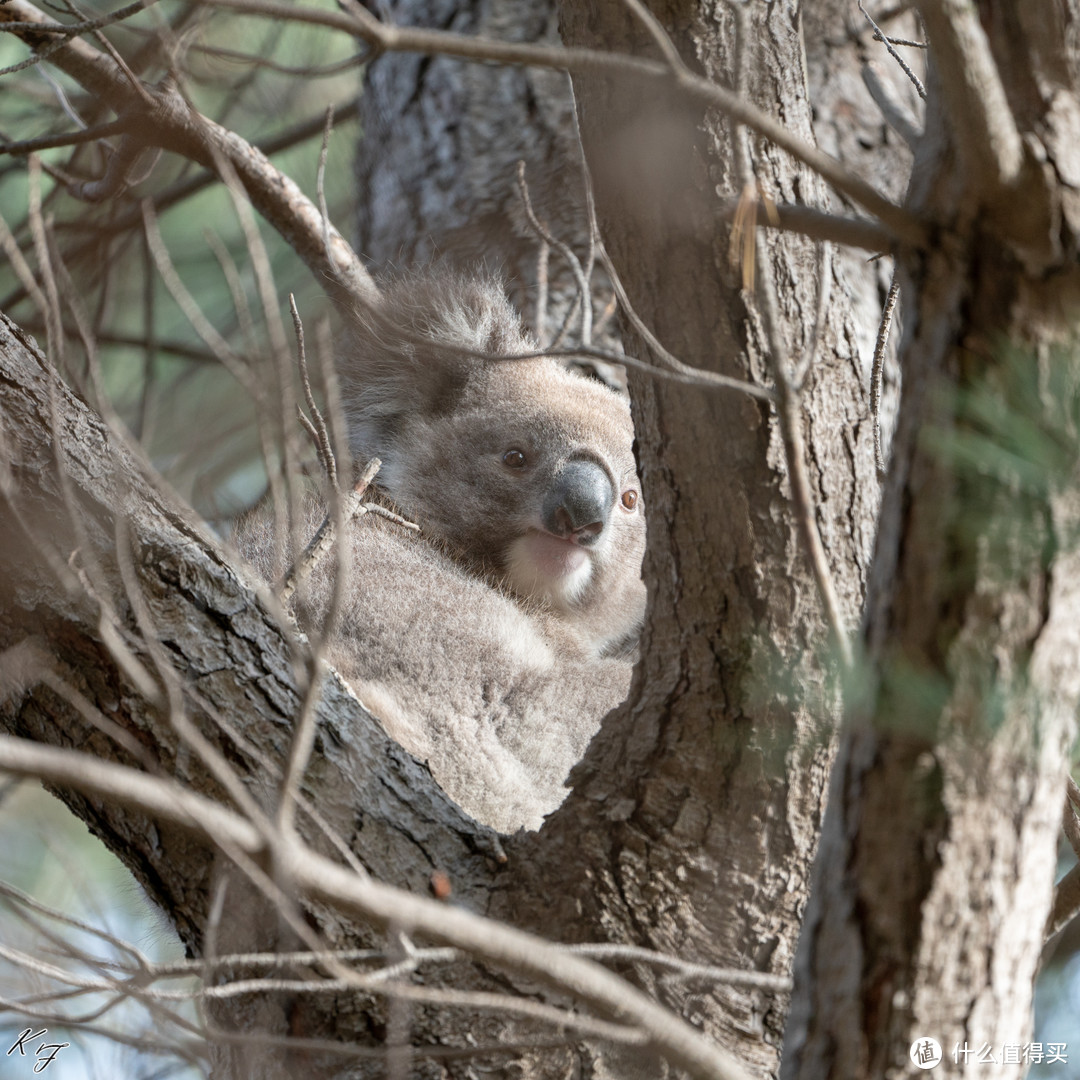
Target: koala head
column 522, row 469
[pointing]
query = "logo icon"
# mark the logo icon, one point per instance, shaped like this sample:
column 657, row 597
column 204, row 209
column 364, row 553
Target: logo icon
column 925, row 1052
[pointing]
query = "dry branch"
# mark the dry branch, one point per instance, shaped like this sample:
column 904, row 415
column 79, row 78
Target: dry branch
column 165, row 119
column 386, row 907
column 974, row 98
column 358, row 21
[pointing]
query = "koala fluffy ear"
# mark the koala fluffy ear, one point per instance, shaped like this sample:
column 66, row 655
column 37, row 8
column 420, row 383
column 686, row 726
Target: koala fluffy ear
column 414, row 352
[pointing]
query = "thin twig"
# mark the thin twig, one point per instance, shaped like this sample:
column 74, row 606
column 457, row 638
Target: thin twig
column 208, row 754
column 759, row 980
column 320, row 181
column 72, row 138
column 84, row 26
column 17, row 896
column 53, row 324
column 324, row 535
column 540, row 321
column 879, row 36
column 317, row 425
column 232, row 361
column 341, row 513
column 679, row 372
column 901, row 223
column 691, row 376
column 817, row 225
column 789, row 408
column 325, row 881
column 584, row 292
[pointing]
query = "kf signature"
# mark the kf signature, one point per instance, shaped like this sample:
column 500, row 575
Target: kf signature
column 44, row 1054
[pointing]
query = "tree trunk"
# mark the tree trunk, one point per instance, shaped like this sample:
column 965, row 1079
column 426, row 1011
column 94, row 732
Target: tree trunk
column 939, row 847
column 437, row 163
column 695, row 814
column 83, row 628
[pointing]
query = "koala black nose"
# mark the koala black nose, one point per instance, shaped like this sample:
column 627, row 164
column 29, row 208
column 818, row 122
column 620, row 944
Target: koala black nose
column 578, row 502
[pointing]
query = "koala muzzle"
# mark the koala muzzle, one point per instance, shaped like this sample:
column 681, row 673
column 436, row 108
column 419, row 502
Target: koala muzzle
column 578, row 502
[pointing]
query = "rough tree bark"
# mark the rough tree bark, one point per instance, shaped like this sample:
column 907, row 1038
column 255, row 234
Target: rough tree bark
column 697, row 811
column 939, row 846
column 705, row 851
column 696, row 814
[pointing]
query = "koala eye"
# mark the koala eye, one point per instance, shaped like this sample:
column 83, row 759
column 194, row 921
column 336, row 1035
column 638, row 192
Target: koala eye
column 514, row 459
column 629, row 499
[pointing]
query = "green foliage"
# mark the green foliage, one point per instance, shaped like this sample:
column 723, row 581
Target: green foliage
column 1014, row 451
column 259, row 78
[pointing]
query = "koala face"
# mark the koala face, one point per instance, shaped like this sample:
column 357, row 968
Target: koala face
column 524, row 470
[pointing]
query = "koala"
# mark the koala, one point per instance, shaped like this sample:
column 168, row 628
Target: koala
column 492, row 643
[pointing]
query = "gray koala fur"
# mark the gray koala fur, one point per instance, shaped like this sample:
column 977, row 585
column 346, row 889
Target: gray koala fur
column 492, row 644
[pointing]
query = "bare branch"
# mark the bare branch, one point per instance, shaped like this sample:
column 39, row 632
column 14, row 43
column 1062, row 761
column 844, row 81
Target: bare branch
column 84, row 26
column 980, row 117
column 384, row 905
column 229, row 359
column 819, row 225
column 679, row 372
column 759, row 980
column 584, row 293
column 900, row 223
column 170, row 123
column 901, row 62
column 324, row 536
column 164, row 799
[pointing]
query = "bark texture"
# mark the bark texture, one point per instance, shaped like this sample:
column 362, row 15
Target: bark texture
column 706, row 788
column 938, row 851
column 436, row 167
column 695, row 814
column 63, row 592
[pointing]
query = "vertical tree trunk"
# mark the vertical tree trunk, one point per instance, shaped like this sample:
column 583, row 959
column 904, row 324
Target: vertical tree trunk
column 939, row 846
column 437, row 162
